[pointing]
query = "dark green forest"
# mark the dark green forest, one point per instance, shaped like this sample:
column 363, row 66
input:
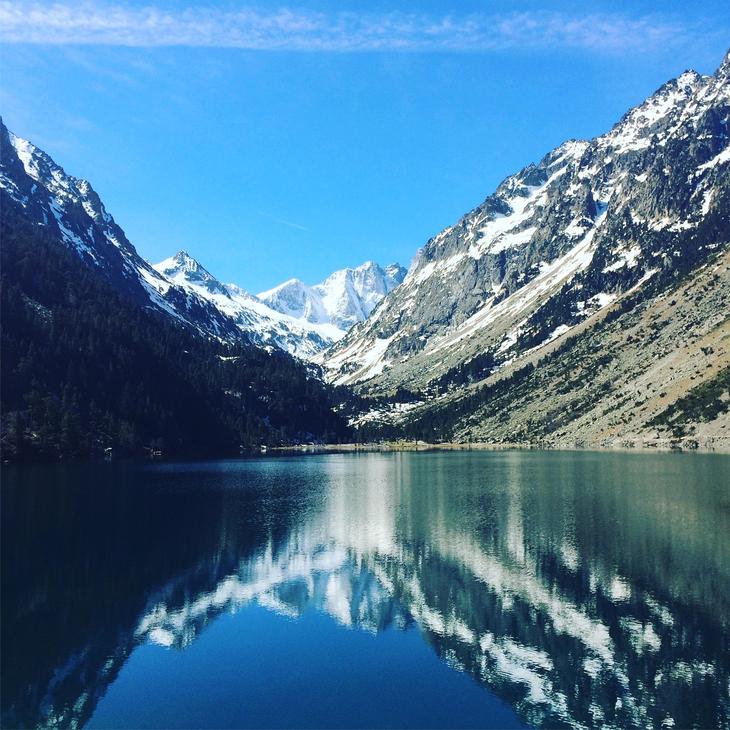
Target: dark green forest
column 83, row 369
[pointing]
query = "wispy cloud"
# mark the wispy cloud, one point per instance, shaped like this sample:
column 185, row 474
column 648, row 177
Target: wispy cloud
column 305, row 30
column 285, row 222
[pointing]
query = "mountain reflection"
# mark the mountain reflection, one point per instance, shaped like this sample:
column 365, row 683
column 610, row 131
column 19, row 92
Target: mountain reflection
column 584, row 589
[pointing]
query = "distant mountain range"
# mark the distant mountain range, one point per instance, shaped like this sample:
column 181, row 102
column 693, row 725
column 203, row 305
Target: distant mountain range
column 584, row 302
column 303, row 320
column 343, row 299
column 294, row 317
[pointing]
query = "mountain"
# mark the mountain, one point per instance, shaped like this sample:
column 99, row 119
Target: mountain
column 294, row 317
column 101, row 351
column 180, row 286
column 85, row 368
column 612, row 227
column 584, row 302
column 72, row 212
column 344, row 298
column 254, row 319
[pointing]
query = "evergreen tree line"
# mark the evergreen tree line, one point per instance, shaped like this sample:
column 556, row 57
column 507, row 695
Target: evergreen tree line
column 84, row 369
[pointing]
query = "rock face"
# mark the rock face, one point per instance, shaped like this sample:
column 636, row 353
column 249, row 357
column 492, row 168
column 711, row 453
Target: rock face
column 555, row 245
column 180, row 286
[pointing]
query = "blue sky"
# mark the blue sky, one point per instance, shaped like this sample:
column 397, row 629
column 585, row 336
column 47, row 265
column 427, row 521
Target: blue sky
column 277, row 139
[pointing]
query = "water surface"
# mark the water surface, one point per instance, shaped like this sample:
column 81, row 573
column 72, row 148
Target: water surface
column 379, row 590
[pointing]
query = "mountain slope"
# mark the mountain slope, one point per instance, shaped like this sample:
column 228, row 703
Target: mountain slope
column 652, row 370
column 180, row 287
column 99, row 350
column 555, row 244
column 84, row 368
column 42, row 193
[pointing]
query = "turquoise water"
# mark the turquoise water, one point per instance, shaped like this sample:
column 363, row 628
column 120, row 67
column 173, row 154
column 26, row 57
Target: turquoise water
column 463, row 589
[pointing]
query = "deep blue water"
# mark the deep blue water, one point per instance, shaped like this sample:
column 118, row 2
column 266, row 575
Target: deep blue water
column 463, row 589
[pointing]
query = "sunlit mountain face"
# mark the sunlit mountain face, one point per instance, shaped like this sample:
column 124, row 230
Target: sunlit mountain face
column 576, row 604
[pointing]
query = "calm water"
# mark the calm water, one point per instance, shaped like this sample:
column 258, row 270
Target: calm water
column 423, row 590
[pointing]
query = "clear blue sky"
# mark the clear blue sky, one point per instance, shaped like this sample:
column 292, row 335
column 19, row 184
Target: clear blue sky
column 279, row 140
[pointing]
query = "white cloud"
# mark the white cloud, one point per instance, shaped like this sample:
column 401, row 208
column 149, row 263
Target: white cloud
column 305, row 30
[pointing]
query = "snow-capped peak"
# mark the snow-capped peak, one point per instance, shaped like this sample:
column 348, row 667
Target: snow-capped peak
column 634, row 130
column 36, row 163
column 295, row 299
column 344, row 298
column 182, row 268
column 395, row 273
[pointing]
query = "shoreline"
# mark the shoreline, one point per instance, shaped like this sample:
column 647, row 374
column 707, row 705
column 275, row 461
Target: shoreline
column 394, row 447
column 424, row 446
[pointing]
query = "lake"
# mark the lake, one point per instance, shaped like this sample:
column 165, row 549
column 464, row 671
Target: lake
column 457, row 589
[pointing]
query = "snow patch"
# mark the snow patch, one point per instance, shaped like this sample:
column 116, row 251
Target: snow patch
column 626, row 259
column 719, row 159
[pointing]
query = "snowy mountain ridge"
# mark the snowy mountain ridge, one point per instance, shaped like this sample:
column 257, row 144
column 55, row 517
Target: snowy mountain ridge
column 264, row 325
column 556, row 243
column 40, row 191
column 293, row 316
column 180, row 286
column 344, row 298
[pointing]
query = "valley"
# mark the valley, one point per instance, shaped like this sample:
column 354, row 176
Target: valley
column 582, row 304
